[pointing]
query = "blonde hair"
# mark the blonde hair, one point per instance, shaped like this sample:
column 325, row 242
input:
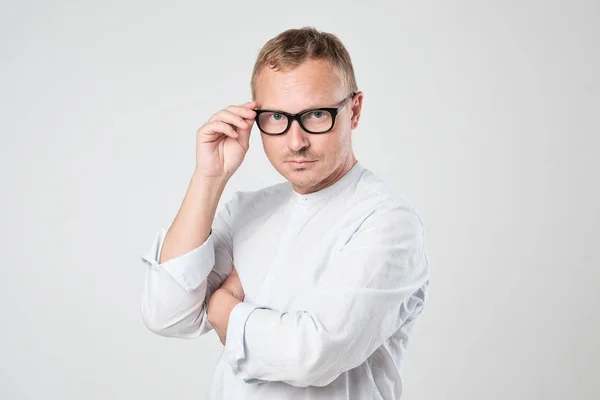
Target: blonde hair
column 292, row 47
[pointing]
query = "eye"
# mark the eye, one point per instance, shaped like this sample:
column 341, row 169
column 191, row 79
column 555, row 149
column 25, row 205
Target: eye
column 316, row 114
column 276, row 116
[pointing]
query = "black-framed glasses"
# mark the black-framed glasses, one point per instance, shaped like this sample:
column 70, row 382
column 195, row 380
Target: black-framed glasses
column 315, row 120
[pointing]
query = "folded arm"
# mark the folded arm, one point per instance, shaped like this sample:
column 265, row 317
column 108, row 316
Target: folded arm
column 373, row 286
column 176, row 291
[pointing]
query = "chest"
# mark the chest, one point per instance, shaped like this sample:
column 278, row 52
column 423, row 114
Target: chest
column 280, row 257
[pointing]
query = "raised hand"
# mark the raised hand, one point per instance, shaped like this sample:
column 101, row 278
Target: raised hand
column 223, row 141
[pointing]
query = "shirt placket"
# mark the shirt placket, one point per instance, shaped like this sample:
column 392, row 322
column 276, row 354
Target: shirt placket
column 298, row 217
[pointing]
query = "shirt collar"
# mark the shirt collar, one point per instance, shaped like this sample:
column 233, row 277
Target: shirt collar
column 350, row 177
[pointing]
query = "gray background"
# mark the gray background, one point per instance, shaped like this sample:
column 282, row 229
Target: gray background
column 485, row 114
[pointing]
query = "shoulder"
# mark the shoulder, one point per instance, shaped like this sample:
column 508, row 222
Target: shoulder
column 384, row 200
column 390, row 220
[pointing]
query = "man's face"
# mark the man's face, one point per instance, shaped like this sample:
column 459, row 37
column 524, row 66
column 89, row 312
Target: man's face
column 313, row 84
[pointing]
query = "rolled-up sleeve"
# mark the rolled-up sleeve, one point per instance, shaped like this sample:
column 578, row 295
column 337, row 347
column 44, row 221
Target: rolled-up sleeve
column 188, row 270
column 235, row 333
column 176, row 292
column 373, row 286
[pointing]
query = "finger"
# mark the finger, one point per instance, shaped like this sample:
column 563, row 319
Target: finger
column 244, row 134
column 244, row 111
column 249, row 123
column 231, row 118
column 216, row 127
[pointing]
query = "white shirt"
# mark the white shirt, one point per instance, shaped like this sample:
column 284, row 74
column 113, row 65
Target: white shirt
column 333, row 283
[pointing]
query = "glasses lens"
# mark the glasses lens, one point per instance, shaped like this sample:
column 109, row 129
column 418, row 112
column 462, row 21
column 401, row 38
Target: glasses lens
column 272, row 122
column 317, row 121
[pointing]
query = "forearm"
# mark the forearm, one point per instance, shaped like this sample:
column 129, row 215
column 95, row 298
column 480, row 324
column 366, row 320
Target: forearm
column 290, row 347
column 220, row 305
column 192, row 224
column 187, row 263
column 333, row 333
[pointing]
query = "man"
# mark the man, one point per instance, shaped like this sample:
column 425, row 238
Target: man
column 330, row 266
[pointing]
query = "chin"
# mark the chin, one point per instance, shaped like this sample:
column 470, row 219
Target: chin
column 301, row 177
column 305, row 182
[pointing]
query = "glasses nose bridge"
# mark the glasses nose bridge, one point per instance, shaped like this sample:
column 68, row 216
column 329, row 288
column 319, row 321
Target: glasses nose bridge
column 298, row 119
column 296, row 137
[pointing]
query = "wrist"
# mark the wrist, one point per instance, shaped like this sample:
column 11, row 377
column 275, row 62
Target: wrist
column 209, row 182
column 205, row 193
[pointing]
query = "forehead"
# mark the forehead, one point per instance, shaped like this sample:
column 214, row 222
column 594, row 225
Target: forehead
column 314, row 83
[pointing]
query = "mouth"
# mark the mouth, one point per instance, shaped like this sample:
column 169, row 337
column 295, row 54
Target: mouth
column 300, row 163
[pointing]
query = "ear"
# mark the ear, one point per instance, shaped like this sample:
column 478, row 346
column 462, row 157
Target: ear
column 356, row 107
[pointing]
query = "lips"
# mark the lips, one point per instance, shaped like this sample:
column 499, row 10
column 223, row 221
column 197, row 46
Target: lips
column 300, row 163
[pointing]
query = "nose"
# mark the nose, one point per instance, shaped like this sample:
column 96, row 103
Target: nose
column 297, row 138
